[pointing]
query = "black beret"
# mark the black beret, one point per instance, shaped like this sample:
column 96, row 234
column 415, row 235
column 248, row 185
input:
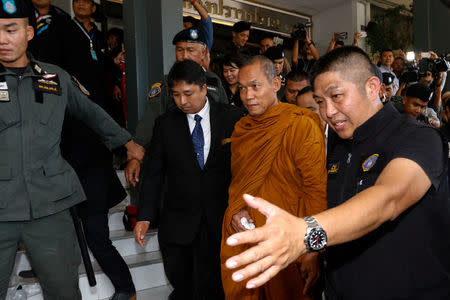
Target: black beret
column 16, row 9
column 274, row 52
column 419, row 90
column 241, row 26
column 388, row 78
column 189, row 35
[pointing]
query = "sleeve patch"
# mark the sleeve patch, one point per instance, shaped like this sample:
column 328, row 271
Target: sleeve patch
column 80, row 86
column 155, row 90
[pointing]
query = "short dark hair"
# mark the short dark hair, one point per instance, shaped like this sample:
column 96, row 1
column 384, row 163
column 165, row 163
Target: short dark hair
column 297, row 76
column 190, row 19
column 349, row 60
column 231, row 60
column 386, row 50
column 187, row 71
column 266, row 65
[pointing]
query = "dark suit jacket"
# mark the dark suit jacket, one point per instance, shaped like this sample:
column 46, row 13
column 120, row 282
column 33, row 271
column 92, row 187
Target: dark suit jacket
column 192, row 194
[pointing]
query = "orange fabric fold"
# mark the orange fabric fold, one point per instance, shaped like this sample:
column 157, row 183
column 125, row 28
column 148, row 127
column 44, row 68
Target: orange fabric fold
column 279, row 156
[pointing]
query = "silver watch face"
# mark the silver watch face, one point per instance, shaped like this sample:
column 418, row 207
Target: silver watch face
column 317, row 239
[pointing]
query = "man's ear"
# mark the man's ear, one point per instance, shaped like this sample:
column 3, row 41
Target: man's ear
column 30, row 32
column 276, row 83
column 404, row 100
column 372, row 87
column 94, row 8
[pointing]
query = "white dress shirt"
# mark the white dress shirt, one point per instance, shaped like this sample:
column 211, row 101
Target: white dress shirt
column 206, row 126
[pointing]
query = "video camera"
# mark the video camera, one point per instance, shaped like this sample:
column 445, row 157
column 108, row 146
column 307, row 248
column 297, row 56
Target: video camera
column 417, row 70
column 299, row 31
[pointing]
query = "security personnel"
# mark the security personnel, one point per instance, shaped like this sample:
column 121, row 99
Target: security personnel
column 276, row 55
column 189, row 44
column 37, row 186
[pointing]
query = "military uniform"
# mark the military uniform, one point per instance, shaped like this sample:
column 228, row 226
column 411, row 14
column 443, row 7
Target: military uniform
column 37, row 185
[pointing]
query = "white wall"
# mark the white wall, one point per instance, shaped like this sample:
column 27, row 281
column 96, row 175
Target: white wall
column 341, row 18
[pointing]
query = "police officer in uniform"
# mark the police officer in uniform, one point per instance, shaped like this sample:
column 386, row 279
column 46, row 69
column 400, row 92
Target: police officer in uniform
column 189, row 44
column 37, row 185
column 276, row 55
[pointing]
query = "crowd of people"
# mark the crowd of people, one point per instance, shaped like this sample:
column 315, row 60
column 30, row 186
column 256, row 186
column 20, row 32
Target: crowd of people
column 350, row 154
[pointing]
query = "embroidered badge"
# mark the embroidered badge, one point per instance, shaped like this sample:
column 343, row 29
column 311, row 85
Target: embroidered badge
column 81, row 87
column 48, row 76
column 9, row 6
column 333, row 168
column 155, row 90
column 370, row 162
column 47, row 86
column 193, row 34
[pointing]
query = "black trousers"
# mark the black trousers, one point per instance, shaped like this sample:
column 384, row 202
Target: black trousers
column 194, row 269
column 97, row 236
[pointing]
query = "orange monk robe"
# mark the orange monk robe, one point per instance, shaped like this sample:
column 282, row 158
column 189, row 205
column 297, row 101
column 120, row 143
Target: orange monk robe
column 279, row 156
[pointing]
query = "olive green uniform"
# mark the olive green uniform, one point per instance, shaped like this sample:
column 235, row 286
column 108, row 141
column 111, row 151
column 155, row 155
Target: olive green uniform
column 37, row 185
column 160, row 101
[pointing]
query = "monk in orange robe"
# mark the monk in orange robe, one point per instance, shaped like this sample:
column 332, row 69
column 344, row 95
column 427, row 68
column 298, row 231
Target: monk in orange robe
column 278, row 153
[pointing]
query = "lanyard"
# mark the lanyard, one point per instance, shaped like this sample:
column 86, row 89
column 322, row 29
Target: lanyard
column 90, row 37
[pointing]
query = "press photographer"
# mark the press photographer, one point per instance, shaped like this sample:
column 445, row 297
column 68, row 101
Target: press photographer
column 308, row 51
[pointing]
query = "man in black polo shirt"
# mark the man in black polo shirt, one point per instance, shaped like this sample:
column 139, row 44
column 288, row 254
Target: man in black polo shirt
column 389, row 219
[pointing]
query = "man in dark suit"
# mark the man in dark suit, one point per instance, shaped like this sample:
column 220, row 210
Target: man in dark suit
column 190, row 144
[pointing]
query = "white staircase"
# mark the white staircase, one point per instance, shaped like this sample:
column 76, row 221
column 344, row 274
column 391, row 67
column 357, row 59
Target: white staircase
column 145, row 264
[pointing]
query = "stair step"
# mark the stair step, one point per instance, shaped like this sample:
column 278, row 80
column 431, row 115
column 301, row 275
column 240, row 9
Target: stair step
column 146, row 270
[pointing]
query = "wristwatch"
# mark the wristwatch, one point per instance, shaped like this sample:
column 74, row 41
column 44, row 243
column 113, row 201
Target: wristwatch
column 315, row 236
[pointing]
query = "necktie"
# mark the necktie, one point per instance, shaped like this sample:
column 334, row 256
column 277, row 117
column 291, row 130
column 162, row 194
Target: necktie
column 198, row 141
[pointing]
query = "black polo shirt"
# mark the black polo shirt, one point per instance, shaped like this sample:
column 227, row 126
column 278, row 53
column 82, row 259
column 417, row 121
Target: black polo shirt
column 409, row 257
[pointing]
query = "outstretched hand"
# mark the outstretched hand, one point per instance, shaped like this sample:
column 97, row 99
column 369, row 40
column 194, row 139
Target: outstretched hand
column 278, row 243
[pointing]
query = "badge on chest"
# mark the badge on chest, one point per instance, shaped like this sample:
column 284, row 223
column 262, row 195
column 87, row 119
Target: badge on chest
column 47, row 83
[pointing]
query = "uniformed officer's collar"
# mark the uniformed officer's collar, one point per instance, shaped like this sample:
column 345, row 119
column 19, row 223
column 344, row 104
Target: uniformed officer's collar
column 376, row 123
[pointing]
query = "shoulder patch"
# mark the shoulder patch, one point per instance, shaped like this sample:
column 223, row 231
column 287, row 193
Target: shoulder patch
column 80, row 86
column 155, row 90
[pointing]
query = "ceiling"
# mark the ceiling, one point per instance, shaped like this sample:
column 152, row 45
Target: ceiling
column 312, row 7
column 309, row 7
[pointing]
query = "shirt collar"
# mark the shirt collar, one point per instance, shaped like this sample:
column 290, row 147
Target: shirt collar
column 376, row 123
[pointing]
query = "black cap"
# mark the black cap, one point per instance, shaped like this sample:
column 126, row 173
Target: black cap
column 388, row 78
column 274, row 52
column 419, row 90
column 241, row 26
column 16, row 9
column 189, row 35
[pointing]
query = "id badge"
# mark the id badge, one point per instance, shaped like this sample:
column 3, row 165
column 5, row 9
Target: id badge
column 4, row 96
column 94, row 54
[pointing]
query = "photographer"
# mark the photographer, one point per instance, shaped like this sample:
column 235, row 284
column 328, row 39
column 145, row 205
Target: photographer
column 308, row 51
column 338, row 37
column 430, row 71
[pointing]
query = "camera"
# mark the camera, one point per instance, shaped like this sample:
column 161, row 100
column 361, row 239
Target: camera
column 299, row 31
column 341, row 36
column 412, row 72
